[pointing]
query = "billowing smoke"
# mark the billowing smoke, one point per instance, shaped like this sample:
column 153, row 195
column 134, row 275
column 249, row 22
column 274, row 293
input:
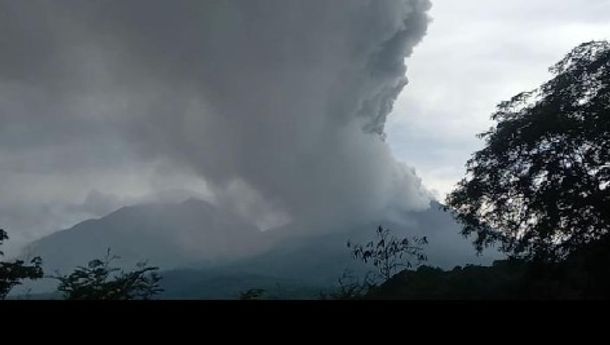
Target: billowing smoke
column 278, row 105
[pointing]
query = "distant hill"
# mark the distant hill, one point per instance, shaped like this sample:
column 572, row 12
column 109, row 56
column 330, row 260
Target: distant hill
column 196, row 245
column 168, row 235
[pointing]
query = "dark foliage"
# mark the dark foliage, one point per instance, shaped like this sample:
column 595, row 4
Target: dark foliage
column 350, row 287
column 584, row 275
column 540, row 187
column 13, row 273
column 389, row 254
column 252, row 294
column 471, row 282
column 100, row 281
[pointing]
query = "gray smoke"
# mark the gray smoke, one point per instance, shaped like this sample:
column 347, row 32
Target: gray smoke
column 278, row 106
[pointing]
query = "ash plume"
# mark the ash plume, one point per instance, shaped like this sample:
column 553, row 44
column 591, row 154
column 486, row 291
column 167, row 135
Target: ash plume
column 279, row 106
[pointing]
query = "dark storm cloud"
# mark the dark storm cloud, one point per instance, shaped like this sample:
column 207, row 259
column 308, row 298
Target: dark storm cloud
column 279, row 106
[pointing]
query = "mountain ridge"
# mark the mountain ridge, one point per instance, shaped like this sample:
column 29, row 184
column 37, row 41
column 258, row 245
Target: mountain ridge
column 195, row 235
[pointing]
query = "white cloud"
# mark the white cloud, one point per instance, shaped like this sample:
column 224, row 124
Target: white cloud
column 477, row 54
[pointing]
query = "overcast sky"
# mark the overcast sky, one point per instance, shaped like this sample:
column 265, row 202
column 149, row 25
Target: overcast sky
column 476, row 54
column 86, row 130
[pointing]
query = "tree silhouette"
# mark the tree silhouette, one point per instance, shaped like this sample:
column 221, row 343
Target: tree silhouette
column 540, row 187
column 252, row 294
column 13, row 273
column 100, row 281
column 389, row 254
column 350, row 287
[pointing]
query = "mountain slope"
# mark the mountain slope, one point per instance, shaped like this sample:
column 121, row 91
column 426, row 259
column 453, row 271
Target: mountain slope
column 316, row 262
column 196, row 244
column 167, row 235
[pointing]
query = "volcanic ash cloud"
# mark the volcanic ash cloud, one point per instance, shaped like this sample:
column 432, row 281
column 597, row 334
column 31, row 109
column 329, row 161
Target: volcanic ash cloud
column 279, row 105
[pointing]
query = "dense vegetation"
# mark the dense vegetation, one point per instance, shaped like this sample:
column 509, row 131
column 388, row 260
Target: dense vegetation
column 540, row 189
column 585, row 274
column 101, row 281
column 541, row 186
column 14, row 273
column 98, row 281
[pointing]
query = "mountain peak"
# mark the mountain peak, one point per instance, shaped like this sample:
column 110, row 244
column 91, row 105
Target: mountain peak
column 165, row 234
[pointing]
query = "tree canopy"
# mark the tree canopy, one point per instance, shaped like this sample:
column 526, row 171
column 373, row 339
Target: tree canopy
column 390, row 254
column 101, row 281
column 13, row 273
column 540, row 187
